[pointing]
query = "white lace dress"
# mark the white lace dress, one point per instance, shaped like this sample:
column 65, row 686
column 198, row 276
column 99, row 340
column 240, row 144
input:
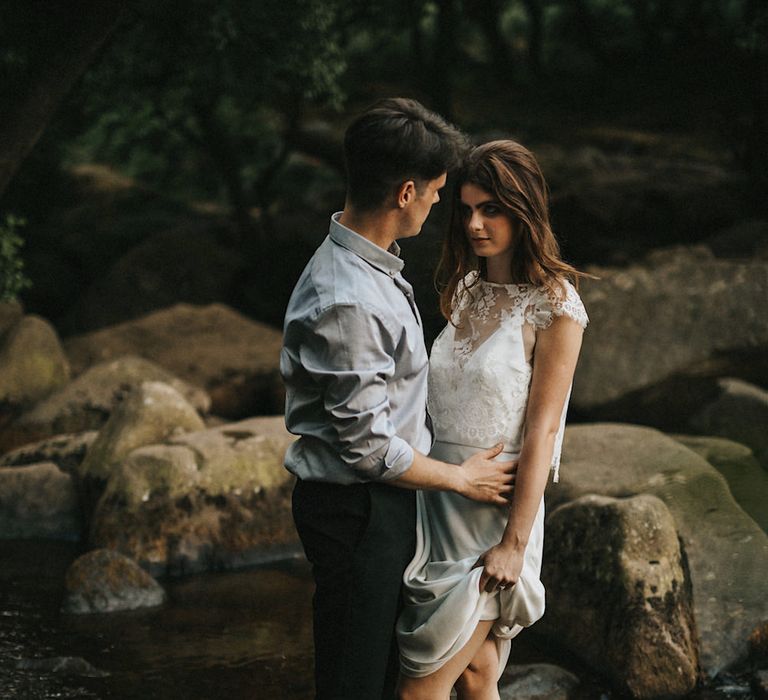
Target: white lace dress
column 479, row 378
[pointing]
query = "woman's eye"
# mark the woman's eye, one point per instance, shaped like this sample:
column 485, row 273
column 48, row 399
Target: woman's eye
column 492, row 209
column 466, row 212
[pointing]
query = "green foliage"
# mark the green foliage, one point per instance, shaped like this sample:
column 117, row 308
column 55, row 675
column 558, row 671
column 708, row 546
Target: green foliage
column 207, row 92
column 12, row 278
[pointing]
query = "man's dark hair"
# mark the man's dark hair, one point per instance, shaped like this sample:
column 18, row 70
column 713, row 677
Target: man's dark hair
column 395, row 140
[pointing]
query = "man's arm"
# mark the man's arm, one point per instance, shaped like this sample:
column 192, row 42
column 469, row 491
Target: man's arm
column 478, row 478
column 349, row 354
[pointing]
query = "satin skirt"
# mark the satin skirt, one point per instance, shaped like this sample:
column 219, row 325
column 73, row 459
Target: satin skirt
column 442, row 600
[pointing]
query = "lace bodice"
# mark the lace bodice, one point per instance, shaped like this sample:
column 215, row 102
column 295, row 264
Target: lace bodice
column 480, row 370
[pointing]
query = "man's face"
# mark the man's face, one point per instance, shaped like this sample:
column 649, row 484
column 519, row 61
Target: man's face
column 417, row 211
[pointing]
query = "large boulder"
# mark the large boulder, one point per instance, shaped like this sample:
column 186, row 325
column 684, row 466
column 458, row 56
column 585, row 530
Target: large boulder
column 38, row 501
column 739, row 412
column 32, row 363
column 217, row 498
column 104, row 581
column 148, row 414
column 746, row 479
column 87, row 402
column 727, row 551
column 65, row 451
column 187, row 263
column 624, row 194
column 234, row 358
column 619, row 593
column 679, row 313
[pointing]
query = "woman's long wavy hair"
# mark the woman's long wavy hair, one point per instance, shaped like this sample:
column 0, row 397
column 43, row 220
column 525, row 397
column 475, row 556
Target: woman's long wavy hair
column 510, row 173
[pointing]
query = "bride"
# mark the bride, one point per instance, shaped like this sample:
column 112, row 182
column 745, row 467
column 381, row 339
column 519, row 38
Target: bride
column 500, row 371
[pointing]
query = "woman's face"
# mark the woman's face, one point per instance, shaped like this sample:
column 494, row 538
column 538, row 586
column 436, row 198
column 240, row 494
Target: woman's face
column 488, row 227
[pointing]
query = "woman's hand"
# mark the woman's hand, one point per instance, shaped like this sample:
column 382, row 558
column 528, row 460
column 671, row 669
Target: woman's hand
column 502, row 565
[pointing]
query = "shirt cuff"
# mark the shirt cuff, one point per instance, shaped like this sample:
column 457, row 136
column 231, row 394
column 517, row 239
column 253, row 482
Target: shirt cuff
column 398, row 459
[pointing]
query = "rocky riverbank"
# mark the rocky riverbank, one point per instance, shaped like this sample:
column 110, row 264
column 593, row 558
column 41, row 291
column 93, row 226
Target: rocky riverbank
column 137, row 443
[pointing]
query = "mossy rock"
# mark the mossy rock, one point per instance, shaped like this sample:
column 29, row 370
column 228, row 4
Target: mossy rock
column 747, row 480
column 105, row 581
column 727, row 551
column 234, row 358
column 65, row 451
column 619, row 593
column 87, row 402
column 216, row 498
column 38, row 501
column 32, row 362
column 149, row 413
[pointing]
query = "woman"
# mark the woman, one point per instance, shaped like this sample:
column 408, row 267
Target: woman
column 500, row 371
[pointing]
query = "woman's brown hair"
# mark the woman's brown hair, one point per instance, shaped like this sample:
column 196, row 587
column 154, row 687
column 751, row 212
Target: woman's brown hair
column 510, row 173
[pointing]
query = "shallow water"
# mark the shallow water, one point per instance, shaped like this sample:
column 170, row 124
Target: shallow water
column 237, row 635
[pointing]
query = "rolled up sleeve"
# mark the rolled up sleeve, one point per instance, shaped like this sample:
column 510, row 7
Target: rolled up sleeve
column 350, row 355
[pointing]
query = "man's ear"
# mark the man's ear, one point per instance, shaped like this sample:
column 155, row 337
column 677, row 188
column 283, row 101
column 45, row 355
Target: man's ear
column 406, row 193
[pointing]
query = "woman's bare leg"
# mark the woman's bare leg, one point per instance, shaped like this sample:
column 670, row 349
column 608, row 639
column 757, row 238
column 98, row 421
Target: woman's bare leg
column 437, row 685
column 479, row 681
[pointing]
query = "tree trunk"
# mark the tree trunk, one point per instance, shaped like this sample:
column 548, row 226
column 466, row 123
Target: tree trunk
column 74, row 33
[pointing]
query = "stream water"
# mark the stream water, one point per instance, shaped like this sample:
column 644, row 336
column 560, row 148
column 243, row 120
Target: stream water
column 237, row 635
column 229, row 635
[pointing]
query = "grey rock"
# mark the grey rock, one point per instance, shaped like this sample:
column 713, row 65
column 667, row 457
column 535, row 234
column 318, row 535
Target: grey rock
column 747, row 480
column 186, row 263
column 65, row 451
column 105, row 581
column 87, row 402
column 727, row 552
column 212, row 499
column 32, row 362
column 739, row 412
column 537, row 682
column 149, row 413
column 681, row 312
column 38, row 501
column 234, row 358
column 619, row 594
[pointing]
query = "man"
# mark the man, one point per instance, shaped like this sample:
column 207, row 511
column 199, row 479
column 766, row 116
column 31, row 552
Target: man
column 355, row 371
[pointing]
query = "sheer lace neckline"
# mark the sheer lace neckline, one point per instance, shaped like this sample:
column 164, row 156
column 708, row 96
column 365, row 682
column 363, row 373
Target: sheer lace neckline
column 483, row 309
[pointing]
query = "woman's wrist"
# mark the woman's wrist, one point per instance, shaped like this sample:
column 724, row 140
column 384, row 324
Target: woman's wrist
column 514, row 542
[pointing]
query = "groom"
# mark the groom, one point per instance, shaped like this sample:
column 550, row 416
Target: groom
column 355, row 371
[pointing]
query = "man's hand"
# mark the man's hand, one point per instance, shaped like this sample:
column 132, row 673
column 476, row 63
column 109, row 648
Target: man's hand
column 501, row 567
column 485, row 480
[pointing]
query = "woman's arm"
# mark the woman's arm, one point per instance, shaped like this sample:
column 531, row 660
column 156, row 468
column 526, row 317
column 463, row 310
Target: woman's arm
column 555, row 355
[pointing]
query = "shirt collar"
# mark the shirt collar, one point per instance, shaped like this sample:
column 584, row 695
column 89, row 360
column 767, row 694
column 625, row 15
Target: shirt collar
column 386, row 261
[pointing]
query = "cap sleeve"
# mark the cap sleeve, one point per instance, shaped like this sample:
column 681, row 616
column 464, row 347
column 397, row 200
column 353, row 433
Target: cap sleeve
column 545, row 304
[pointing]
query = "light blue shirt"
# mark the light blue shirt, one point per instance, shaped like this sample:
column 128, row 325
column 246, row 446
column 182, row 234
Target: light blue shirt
column 354, row 364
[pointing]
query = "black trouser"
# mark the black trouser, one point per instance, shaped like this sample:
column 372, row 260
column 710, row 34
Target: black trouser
column 359, row 539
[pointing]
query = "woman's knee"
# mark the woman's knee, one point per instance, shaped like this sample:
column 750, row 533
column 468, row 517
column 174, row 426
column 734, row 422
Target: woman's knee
column 481, row 674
